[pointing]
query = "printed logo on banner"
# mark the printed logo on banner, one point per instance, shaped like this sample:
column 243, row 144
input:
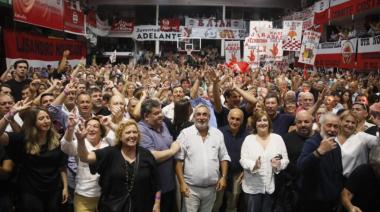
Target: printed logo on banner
column 347, row 52
column 292, row 31
column 308, row 48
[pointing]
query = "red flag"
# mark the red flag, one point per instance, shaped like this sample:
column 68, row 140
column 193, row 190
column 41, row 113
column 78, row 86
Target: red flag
column 305, row 74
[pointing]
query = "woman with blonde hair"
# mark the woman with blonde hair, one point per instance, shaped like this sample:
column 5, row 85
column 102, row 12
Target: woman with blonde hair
column 42, row 181
column 128, row 172
column 354, row 145
column 263, row 154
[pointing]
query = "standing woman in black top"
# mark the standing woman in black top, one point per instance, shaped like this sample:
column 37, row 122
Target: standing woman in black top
column 128, row 173
column 42, row 178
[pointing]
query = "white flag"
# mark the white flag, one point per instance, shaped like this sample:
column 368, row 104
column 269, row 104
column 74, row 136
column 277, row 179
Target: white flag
column 113, row 57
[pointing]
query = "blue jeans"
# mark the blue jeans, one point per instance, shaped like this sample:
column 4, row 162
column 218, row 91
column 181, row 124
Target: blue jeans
column 258, row 202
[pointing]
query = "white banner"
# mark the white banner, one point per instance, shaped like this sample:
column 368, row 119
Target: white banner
column 251, row 52
column 232, row 51
column 217, row 33
column 309, row 45
column 274, row 45
column 143, row 33
column 256, row 26
column 292, row 34
column 213, row 23
column 369, row 45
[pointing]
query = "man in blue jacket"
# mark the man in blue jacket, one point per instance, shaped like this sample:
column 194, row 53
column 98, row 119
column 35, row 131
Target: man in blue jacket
column 320, row 164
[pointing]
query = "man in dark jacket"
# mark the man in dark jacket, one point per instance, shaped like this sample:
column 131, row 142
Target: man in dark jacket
column 320, row 165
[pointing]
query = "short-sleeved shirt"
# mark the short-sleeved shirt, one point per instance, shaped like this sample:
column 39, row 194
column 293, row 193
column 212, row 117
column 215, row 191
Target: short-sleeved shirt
column 112, row 168
column 365, row 187
column 38, row 173
column 159, row 141
column 201, row 157
column 17, row 87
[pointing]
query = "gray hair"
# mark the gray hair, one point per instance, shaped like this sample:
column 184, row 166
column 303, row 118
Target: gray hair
column 148, row 105
column 374, row 156
column 327, row 116
column 200, row 106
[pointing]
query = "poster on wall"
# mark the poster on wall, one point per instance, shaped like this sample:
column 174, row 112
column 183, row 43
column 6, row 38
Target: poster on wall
column 40, row 51
column 73, row 17
column 309, row 45
column 292, row 34
column 256, row 26
column 215, row 33
column 44, row 13
column 232, row 51
column 214, row 23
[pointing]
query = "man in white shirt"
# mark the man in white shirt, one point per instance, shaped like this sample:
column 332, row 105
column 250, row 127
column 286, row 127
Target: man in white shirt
column 202, row 153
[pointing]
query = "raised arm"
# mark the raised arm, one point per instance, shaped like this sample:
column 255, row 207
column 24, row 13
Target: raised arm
column 63, row 61
column 83, row 153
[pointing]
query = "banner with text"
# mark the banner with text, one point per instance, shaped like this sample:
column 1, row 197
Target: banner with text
column 274, row 45
column 209, row 22
column 44, row 13
column 232, row 51
column 121, row 25
column 151, row 32
column 255, row 27
column 292, row 34
column 341, row 8
column 368, row 56
column 310, row 40
column 40, row 50
column 170, row 24
column 73, row 17
column 251, row 52
column 217, row 33
column 340, row 54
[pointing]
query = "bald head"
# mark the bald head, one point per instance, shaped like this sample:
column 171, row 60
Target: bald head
column 304, row 123
column 235, row 119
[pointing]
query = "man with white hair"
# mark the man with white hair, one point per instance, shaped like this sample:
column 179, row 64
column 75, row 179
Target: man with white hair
column 306, row 100
column 320, row 166
column 203, row 153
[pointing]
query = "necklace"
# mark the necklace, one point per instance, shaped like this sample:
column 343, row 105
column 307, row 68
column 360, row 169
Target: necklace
column 130, row 176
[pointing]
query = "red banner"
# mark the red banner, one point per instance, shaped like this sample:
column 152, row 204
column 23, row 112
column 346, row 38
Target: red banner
column 40, row 50
column 47, row 13
column 321, row 15
column 363, row 5
column 91, row 18
column 170, row 25
column 368, row 57
column 341, row 8
column 340, row 54
column 74, row 17
column 123, row 26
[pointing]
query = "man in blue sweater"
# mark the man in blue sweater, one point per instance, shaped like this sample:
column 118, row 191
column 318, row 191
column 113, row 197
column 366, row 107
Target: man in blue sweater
column 320, row 164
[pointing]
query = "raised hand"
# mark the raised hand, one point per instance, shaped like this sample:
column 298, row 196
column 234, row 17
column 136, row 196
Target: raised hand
column 327, row 145
column 72, row 121
column 257, row 164
column 81, row 132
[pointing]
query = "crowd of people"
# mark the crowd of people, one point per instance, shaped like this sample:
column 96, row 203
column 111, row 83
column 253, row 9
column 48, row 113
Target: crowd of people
column 187, row 134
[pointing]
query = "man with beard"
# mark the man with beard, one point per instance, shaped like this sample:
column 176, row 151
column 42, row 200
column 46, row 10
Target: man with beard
column 320, row 166
column 286, row 180
column 203, row 153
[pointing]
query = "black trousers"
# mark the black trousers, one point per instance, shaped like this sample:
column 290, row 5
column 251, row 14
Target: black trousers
column 40, row 202
column 168, row 202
